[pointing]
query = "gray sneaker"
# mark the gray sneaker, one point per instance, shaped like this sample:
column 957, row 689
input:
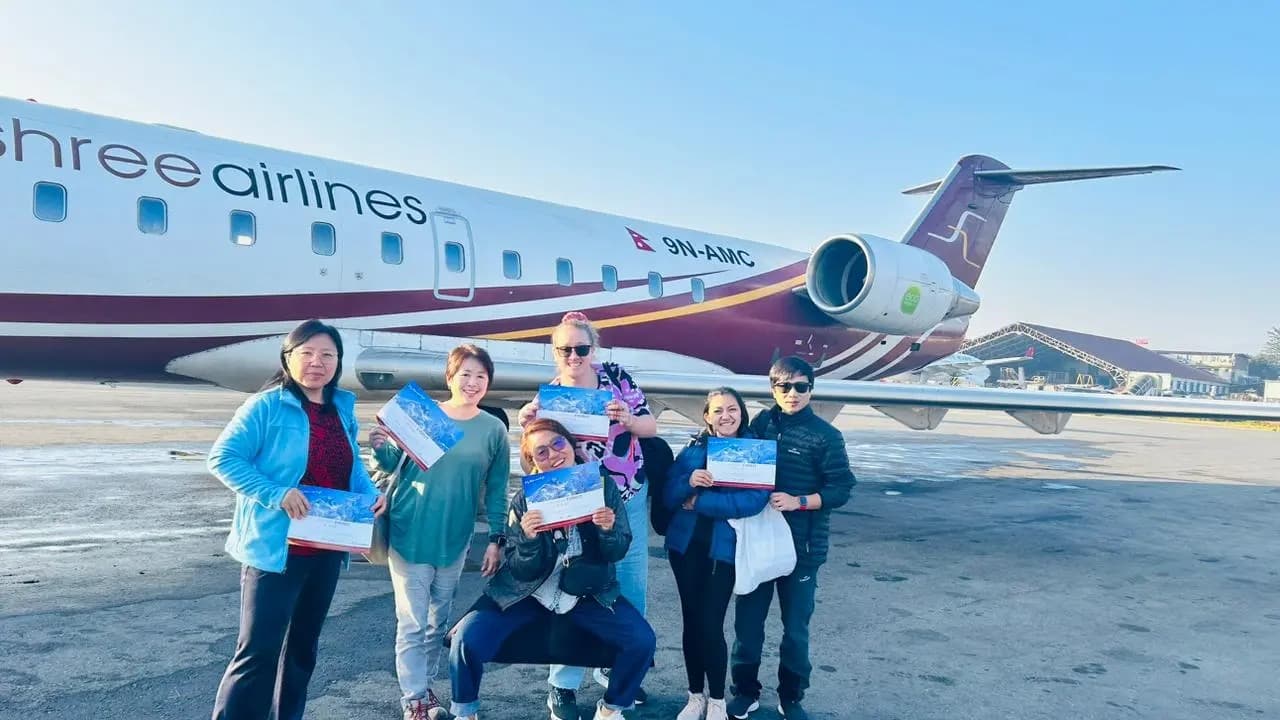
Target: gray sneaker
column 563, row 704
column 742, row 705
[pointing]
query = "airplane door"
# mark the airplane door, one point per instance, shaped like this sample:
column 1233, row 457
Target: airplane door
column 455, row 274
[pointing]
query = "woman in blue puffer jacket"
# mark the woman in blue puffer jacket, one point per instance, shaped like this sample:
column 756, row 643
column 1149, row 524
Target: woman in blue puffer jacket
column 700, row 545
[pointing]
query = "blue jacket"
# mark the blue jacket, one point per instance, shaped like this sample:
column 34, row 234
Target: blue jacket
column 720, row 504
column 261, row 455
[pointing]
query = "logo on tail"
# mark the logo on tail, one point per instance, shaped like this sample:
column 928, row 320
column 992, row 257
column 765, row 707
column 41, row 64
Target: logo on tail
column 958, row 233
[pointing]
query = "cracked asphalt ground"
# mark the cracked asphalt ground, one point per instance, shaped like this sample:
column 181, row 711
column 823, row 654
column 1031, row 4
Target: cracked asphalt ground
column 1125, row 569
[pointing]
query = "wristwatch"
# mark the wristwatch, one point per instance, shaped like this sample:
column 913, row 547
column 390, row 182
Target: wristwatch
column 804, row 502
column 498, row 539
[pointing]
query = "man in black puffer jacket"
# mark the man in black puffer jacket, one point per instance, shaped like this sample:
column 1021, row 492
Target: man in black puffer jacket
column 813, row 478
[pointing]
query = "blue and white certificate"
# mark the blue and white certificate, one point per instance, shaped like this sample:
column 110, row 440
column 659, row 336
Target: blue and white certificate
column 419, row 426
column 566, row 496
column 581, row 411
column 337, row 520
column 742, row 462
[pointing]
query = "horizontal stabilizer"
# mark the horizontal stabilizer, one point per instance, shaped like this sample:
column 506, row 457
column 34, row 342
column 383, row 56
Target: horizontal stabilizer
column 1036, row 177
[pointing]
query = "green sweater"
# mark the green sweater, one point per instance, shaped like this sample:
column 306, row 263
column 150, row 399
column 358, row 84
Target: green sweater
column 433, row 512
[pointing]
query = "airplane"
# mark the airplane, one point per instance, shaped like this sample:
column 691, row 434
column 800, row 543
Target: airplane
column 961, row 369
column 146, row 252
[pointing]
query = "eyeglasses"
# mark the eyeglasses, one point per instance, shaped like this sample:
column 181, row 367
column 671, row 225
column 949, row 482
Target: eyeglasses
column 567, row 350
column 801, row 387
column 307, row 357
column 542, row 453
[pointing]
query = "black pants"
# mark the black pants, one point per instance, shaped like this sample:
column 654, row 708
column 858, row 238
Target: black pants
column 280, row 619
column 705, row 587
column 796, row 600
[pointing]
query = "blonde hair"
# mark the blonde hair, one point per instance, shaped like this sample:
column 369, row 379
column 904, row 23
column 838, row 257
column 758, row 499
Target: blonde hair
column 579, row 321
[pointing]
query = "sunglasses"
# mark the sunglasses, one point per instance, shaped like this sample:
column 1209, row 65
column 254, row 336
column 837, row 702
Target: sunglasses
column 801, row 387
column 542, row 453
column 567, row 350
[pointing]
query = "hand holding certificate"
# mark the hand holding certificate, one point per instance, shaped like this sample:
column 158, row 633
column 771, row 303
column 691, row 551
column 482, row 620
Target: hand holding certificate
column 337, row 520
column 581, row 411
column 741, row 462
column 566, row 496
column 419, row 426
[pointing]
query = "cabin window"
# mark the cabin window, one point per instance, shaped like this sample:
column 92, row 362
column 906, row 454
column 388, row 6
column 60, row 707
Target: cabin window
column 511, row 265
column 609, row 274
column 392, row 248
column 655, row 285
column 50, row 202
column 153, row 216
column 244, row 228
column 324, row 239
column 699, row 290
column 564, row 272
column 455, row 257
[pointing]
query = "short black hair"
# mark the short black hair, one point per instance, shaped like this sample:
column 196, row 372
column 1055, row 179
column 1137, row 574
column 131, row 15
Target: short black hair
column 784, row 368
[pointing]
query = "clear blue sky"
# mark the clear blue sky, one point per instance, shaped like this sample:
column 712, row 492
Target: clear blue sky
column 777, row 125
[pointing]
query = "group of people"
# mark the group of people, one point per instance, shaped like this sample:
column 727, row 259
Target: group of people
column 301, row 430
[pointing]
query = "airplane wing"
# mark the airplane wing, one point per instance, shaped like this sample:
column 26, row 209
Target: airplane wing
column 922, row 407
column 378, row 364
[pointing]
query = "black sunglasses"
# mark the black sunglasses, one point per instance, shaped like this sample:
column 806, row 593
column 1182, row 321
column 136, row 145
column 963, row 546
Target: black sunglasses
column 801, row 387
column 567, row 350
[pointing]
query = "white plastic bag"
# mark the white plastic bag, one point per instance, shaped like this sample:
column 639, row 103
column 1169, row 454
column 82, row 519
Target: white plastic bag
column 765, row 550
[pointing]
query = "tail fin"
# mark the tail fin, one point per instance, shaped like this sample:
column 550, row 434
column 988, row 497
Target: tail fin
column 962, row 218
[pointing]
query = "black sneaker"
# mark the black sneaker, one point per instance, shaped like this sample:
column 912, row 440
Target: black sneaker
column 601, row 676
column 791, row 710
column 741, row 706
column 563, row 704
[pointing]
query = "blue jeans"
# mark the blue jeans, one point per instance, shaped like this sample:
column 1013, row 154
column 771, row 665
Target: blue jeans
column 481, row 633
column 633, row 580
column 281, row 615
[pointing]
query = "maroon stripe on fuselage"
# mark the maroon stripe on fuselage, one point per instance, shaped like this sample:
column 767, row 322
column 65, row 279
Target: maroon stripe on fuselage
column 99, row 358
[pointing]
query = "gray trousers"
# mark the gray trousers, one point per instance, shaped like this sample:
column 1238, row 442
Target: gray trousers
column 424, row 600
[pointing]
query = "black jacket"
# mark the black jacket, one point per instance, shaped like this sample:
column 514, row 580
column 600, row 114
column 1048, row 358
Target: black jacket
column 528, row 563
column 811, row 459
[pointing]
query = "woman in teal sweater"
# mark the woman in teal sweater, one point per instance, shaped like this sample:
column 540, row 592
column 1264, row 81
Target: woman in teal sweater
column 432, row 520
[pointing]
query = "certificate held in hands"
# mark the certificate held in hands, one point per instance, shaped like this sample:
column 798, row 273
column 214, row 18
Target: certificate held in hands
column 581, row 411
column 419, row 426
column 337, row 520
column 742, row 462
column 566, row 496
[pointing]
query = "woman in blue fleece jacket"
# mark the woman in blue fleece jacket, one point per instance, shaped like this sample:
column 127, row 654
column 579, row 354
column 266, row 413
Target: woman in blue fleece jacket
column 700, row 545
column 298, row 431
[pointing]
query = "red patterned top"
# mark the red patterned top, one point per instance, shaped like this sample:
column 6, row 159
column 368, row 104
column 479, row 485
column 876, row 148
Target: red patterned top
column 329, row 457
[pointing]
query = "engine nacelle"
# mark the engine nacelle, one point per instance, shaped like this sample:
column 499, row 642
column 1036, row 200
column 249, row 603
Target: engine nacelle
column 871, row 283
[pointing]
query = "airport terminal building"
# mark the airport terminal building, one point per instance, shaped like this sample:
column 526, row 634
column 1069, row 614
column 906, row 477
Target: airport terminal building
column 1069, row 360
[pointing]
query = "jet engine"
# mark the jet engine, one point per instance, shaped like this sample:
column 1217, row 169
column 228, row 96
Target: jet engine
column 874, row 284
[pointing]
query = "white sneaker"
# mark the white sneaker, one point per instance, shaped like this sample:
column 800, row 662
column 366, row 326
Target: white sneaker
column 697, row 707
column 716, row 710
column 604, row 713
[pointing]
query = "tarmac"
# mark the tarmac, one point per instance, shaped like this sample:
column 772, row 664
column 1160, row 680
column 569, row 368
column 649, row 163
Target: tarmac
column 1124, row 569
